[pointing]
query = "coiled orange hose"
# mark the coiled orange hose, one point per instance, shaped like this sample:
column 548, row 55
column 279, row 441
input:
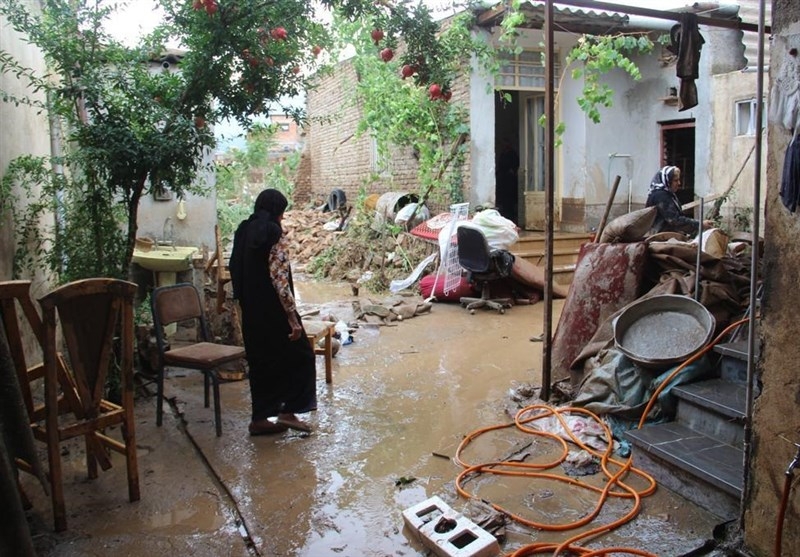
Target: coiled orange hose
column 614, row 486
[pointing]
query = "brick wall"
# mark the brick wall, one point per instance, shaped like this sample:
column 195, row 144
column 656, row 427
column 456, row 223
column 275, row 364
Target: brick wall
column 335, row 158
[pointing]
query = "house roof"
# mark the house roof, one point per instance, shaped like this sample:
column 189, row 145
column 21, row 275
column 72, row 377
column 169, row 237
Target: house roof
column 603, row 22
column 575, row 20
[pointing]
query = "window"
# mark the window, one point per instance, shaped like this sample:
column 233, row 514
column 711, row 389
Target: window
column 284, row 127
column 523, row 71
column 746, row 117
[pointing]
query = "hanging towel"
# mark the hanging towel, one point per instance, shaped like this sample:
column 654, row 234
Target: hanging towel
column 686, row 44
column 790, row 181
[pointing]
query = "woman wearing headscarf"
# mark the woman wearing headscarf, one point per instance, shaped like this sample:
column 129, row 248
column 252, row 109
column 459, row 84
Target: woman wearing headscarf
column 281, row 361
column 662, row 196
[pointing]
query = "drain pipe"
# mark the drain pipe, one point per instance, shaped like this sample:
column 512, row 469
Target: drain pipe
column 611, row 158
column 787, row 488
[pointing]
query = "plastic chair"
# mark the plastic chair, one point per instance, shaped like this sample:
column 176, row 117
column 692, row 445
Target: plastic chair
column 96, row 317
column 481, row 262
column 181, row 303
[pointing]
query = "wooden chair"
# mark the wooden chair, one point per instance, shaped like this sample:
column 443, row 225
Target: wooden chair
column 321, row 332
column 96, row 317
column 217, row 269
column 19, row 312
column 181, row 303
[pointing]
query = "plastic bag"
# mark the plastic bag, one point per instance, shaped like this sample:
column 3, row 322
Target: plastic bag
column 500, row 232
column 404, row 214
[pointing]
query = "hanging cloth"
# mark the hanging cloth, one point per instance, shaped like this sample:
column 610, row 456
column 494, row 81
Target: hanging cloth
column 790, row 181
column 686, row 44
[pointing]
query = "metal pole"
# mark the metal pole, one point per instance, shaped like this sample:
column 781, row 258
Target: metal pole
column 755, row 256
column 549, row 111
column 699, row 252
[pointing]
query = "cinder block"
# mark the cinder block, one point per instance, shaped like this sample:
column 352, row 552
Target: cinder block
column 448, row 533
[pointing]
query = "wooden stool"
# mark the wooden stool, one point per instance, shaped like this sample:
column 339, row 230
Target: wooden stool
column 316, row 330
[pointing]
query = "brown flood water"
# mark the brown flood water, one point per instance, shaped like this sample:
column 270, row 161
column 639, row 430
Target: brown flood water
column 402, row 399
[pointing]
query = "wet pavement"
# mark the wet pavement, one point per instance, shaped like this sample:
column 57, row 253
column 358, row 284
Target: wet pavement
column 402, row 399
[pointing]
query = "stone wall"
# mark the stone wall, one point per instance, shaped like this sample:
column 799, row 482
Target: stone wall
column 776, row 418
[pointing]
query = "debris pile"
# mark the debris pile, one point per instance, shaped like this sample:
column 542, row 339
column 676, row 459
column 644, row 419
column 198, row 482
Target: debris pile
column 308, row 232
column 359, row 251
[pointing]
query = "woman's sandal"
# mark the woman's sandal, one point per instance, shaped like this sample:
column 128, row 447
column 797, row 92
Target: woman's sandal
column 294, row 423
column 266, row 427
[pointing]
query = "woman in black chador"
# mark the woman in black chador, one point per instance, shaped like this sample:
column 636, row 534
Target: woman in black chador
column 281, row 360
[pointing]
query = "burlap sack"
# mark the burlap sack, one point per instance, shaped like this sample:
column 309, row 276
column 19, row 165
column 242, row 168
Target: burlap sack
column 632, row 227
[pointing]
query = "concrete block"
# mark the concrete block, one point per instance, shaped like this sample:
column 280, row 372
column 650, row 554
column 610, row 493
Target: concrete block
column 448, row 533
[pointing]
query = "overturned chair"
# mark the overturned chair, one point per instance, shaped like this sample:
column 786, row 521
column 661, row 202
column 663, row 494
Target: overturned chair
column 484, row 266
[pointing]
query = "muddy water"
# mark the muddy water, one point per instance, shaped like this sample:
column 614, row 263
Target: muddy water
column 402, row 399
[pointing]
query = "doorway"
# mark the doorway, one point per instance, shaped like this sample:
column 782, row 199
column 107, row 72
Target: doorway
column 507, row 159
column 677, row 149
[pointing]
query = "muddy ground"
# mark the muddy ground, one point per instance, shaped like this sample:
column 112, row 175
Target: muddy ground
column 402, row 399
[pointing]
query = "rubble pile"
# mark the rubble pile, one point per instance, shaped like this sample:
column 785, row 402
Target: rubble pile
column 307, row 234
column 361, row 255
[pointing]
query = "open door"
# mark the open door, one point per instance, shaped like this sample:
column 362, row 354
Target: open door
column 532, row 164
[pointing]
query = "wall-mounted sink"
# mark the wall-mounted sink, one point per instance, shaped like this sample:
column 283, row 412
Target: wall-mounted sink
column 165, row 259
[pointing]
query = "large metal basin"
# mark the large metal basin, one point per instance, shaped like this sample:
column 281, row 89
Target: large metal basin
column 662, row 331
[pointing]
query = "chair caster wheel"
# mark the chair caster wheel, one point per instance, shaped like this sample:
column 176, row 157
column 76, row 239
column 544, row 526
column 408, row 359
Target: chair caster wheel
column 472, row 312
column 502, row 311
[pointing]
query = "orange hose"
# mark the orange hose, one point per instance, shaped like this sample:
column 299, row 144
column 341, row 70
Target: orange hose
column 614, row 479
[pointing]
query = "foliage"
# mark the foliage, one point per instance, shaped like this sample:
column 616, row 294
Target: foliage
column 600, row 55
column 235, row 191
column 127, row 129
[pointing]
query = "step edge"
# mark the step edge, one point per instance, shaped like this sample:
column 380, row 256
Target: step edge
column 708, row 404
column 685, row 465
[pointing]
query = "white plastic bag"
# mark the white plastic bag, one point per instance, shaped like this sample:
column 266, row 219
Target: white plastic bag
column 500, row 232
column 404, row 214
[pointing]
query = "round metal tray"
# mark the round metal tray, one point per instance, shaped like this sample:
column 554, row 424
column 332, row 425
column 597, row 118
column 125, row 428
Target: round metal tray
column 661, row 331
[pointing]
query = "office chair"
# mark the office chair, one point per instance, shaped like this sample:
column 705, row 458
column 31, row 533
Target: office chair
column 484, row 266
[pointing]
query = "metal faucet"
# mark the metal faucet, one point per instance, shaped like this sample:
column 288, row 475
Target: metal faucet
column 168, row 233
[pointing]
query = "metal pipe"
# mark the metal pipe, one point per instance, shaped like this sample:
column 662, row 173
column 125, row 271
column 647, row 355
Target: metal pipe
column 699, row 252
column 549, row 180
column 613, row 156
column 754, row 258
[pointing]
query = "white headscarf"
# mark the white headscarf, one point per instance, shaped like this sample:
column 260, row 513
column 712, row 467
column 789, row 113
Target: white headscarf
column 663, row 178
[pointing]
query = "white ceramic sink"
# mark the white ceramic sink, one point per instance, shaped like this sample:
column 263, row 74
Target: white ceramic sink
column 165, row 259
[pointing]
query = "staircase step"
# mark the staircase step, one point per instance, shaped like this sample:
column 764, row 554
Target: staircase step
column 698, row 467
column 733, row 360
column 715, row 408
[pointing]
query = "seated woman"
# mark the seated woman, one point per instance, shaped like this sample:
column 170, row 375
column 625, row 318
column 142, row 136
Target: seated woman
column 670, row 217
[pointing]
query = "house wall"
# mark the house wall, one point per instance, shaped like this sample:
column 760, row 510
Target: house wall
column 776, row 410
column 335, row 157
column 732, row 157
column 24, row 132
column 626, row 142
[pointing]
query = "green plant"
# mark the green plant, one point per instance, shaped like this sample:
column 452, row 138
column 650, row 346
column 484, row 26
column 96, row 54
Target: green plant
column 128, row 130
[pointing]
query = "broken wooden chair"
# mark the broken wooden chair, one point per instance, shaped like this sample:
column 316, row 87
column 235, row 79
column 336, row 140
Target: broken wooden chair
column 96, row 318
column 181, row 303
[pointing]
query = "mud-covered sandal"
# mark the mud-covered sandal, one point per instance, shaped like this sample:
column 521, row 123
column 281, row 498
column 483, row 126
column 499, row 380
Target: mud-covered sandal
column 266, row 427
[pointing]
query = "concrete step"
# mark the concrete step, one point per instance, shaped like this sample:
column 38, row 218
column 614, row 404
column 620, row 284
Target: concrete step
column 715, row 408
column 733, row 360
column 701, row 469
